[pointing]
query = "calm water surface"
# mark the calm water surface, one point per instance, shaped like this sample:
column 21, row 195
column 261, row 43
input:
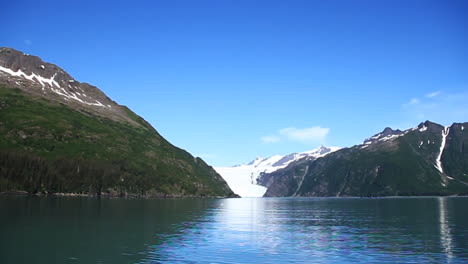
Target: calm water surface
column 269, row 230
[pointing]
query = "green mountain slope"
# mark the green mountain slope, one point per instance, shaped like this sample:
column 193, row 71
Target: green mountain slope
column 401, row 164
column 47, row 146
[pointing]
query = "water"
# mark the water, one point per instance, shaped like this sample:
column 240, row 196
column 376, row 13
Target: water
column 272, row 230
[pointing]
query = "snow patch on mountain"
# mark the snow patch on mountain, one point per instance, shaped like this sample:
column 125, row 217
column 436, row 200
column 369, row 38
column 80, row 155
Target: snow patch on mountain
column 385, row 135
column 438, row 165
column 31, row 77
column 53, row 86
column 242, row 179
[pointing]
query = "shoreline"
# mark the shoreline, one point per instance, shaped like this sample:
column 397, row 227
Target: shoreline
column 173, row 196
column 109, row 195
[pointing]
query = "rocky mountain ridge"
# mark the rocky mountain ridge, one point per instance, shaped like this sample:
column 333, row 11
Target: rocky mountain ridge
column 32, row 75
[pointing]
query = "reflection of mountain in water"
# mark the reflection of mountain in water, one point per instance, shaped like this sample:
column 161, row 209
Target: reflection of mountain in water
column 88, row 230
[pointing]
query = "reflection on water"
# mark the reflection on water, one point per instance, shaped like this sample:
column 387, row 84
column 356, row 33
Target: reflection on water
column 398, row 230
column 273, row 230
column 445, row 236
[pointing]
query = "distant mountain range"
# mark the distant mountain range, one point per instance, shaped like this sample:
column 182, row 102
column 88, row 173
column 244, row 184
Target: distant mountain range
column 58, row 135
column 243, row 178
column 426, row 160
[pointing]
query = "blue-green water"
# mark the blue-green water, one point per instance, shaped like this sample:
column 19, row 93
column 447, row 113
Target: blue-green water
column 273, row 230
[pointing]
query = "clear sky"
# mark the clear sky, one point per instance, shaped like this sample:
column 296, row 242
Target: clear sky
column 232, row 80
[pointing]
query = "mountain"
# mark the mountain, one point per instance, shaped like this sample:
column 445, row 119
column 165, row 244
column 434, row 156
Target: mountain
column 243, row 178
column 426, row 160
column 58, row 135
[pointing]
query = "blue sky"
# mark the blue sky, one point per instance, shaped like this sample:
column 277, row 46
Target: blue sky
column 232, row 80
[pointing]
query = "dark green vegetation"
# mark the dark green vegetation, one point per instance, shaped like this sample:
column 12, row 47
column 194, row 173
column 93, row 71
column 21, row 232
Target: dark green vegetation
column 401, row 166
column 48, row 147
column 454, row 163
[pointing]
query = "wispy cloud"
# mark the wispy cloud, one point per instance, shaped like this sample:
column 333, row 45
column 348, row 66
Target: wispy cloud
column 314, row 134
column 413, row 101
column 27, row 42
column 438, row 107
column 433, row 94
column 270, row 139
column 311, row 134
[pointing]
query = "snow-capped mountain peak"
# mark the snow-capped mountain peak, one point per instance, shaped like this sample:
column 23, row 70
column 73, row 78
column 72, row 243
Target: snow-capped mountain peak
column 384, row 135
column 320, row 152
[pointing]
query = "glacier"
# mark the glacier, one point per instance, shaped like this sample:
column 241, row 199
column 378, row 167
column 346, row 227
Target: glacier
column 242, row 179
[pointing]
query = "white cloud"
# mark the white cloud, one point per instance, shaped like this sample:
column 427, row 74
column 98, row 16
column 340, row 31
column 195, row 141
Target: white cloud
column 270, row 139
column 433, row 94
column 414, row 101
column 306, row 135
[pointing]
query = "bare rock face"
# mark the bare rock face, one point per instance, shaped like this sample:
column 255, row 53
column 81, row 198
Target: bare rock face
column 34, row 76
column 386, row 133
